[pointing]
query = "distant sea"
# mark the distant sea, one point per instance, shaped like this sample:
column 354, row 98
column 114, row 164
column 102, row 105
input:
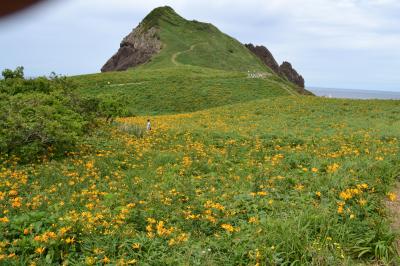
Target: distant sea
column 354, row 94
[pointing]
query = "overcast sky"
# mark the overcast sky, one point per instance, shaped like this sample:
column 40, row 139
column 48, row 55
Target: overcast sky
column 332, row 43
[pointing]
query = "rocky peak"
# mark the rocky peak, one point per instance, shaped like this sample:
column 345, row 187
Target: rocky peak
column 284, row 70
column 291, row 74
column 265, row 55
column 137, row 48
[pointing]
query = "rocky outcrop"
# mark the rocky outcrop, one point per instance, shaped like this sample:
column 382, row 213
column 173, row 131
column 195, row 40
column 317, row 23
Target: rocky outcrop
column 135, row 49
column 291, row 74
column 285, row 70
column 265, row 55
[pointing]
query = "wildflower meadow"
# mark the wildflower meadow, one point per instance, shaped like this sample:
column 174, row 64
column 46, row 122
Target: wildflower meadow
column 282, row 181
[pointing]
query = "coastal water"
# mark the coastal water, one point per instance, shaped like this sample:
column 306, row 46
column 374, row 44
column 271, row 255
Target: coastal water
column 355, row 94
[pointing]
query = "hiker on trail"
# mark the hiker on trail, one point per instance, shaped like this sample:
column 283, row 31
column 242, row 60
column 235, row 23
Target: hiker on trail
column 148, row 127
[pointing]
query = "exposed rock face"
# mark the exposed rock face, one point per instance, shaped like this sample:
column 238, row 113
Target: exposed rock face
column 291, row 74
column 135, row 49
column 265, row 55
column 284, row 70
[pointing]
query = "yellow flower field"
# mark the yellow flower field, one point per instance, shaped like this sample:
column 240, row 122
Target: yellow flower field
column 270, row 182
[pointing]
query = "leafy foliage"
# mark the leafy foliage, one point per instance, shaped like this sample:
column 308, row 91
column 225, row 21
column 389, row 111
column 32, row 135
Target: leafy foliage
column 45, row 115
column 12, row 74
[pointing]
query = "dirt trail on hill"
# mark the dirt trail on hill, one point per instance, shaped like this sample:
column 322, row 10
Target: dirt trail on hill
column 286, row 88
column 290, row 91
column 123, row 84
column 175, row 62
column 175, row 55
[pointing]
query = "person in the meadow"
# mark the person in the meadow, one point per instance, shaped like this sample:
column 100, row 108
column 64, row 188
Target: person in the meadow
column 148, row 124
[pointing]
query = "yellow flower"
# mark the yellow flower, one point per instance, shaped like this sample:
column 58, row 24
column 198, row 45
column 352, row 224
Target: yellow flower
column 187, row 161
column 136, row 246
column 345, row 195
column 151, row 221
column 362, row 202
column 70, row 240
column 90, row 260
column 362, row 186
column 228, row 227
column 63, row 230
column 253, row 220
column 171, row 242
column 299, row 187
column 131, row 205
column 13, row 193
column 4, row 220
column 40, row 250
column 182, row 237
column 105, row 260
column 318, row 194
column 340, row 207
column 314, row 170
column 16, row 202
column 332, row 168
column 392, row 196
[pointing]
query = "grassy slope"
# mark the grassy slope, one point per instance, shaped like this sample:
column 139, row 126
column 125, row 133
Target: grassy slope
column 201, row 68
column 213, row 49
column 179, row 89
column 239, row 184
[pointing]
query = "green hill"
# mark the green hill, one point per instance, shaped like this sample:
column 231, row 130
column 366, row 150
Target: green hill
column 180, row 89
column 200, row 44
column 198, row 67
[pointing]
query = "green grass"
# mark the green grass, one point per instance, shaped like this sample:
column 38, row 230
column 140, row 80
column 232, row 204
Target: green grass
column 180, row 89
column 238, row 184
column 213, row 49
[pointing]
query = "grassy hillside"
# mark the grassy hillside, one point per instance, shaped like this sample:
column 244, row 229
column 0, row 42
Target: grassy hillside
column 286, row 180
column 199, row 44
column 181, row 88
column 199, row 67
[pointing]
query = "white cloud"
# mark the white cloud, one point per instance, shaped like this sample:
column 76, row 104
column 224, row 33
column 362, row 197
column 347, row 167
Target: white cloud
column 310, row 33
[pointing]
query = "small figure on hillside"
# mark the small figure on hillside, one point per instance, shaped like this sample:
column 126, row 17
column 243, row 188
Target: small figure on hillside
column 148, row 127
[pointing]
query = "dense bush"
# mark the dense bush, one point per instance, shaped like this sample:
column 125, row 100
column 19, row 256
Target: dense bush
column 45, row 115
column 11, row 74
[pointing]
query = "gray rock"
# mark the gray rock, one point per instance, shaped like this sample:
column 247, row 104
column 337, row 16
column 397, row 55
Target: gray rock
column 291, row 74
column 284, row 70
column 265, row 55
column 136, row 48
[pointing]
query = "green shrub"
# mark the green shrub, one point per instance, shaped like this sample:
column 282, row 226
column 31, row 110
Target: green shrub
column 12, row 74
column 45, row 116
